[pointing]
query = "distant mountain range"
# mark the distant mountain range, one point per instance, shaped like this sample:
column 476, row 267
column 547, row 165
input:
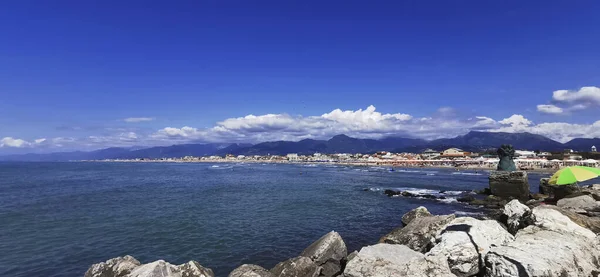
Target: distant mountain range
column 473, row 141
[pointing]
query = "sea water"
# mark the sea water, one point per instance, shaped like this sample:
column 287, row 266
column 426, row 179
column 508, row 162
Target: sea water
column 57, row 219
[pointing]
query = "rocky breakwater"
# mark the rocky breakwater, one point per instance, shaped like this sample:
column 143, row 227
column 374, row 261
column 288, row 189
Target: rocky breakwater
column 543, row 241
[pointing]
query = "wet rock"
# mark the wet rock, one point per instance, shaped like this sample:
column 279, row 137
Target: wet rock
column 116, row 267
column 391, row 193
column 394, row 260
column 466, row 199
column 554, row 246
column 415, row 213
column 578, row 204
column 328, row 252
column 250, row 270
column 297, row 267
column 516, row 216
column 465, row 241
column 509, row 184
column 420, row 233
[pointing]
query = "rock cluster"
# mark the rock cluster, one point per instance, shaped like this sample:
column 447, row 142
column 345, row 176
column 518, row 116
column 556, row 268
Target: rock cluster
column 543, row 241
column 130, row 267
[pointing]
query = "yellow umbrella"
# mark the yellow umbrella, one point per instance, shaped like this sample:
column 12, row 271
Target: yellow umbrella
column 574, row 174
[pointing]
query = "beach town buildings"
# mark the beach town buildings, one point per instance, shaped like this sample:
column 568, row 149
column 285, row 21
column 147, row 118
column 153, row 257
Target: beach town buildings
column 429, row 154
column 454, row 153
column 525, row 154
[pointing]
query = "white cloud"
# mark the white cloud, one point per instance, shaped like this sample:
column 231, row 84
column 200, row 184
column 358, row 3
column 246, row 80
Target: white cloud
column 19, row 143
column 549, row 109
column 362, row 123
column 568, row 101
column 13, row 142
column 138, row 119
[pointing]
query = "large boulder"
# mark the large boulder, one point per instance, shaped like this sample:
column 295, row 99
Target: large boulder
column 516, row 216
column 328, row 252
column 394, row 260
column 415, row 213
column 161, row 268
column 542, row 253
column 578, row 204
column 509, row 184
column 465, row 242
column 557, row 192
column 593, row 191
column 553, row 246
column 116, row 267
column 250, row 270
column 591, row 223
column 194, row 269
column 297, row 267
column 420, row 233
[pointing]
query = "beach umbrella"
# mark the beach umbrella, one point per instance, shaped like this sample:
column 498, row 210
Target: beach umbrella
column 574, row 174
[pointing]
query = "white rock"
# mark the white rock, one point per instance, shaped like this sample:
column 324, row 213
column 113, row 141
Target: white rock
column 158, row 268
column 538, row 252
column 552, row 220
column 383, row 260
column 465, row 241
column 116, row 267
column 518, row 216
column 328, row 253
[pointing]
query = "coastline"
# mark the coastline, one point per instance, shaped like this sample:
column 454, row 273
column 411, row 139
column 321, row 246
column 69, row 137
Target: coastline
column 356, row 164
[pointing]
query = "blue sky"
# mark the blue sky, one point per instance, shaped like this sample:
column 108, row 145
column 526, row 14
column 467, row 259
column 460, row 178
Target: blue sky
column 71, row 72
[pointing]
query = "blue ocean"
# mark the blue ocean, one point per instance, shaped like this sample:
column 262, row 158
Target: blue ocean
column 56, row 219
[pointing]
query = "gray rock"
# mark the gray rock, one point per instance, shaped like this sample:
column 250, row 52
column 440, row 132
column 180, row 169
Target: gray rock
column 116, row 267
column 516, row 216
column 557, row 192
column 351, row 256
column 579, row 204
column 250, row 270
column 593, row 191
column 509, row 184
column 161, row 268
column 465, row 241
column 394, row 260
column 158, row 268
column 194, row 269
column 297, row 267
column 328, row 252
column 553, row 246
column 420, row 233
column 537, row 252
column 415, row 213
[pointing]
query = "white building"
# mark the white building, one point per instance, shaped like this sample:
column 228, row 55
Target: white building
column 525, row 154
column 594, row 148
column 430, row 154
column 292, row 157
column 453, row 152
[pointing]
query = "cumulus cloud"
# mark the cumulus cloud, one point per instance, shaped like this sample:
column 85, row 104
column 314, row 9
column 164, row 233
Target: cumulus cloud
column 568, row 101
column 19, row 143
column 138, row 119
column 549, row 109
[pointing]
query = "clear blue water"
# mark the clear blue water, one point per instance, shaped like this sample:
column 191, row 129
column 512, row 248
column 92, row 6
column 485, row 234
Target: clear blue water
column 56, row 219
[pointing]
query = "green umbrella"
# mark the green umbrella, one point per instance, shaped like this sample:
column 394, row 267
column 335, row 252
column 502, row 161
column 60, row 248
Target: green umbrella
column 574, row 174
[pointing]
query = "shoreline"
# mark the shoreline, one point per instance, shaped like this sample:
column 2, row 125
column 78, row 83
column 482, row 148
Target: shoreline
column 356, row 164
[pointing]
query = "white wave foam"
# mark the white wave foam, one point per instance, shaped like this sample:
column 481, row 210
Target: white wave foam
column 448, row 200
column 466, row 173
column 462, row 213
